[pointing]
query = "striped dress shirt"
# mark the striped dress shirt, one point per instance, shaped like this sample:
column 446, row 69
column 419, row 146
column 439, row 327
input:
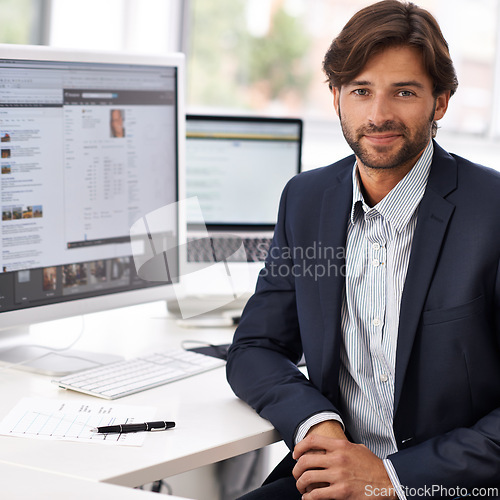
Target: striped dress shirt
column 378, row 249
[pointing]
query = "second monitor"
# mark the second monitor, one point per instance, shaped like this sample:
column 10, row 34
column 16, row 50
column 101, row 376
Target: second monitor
column 237, row 167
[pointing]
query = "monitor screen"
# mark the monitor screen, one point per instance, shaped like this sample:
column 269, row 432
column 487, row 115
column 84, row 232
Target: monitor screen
column 90, row 144
column 237, row 166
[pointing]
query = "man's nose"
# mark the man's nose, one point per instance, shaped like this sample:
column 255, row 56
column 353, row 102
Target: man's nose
column 381, row 111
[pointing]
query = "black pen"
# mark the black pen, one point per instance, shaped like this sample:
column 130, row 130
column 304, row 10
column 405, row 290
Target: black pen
column 161, row 425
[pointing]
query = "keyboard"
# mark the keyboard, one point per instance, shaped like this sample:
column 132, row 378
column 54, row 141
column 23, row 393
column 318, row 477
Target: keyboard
column 123, row 378
column 213, row 248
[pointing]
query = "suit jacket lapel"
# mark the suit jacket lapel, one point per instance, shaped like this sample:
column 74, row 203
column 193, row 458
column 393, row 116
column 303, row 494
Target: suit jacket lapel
column 433, row 218
column 336, row 206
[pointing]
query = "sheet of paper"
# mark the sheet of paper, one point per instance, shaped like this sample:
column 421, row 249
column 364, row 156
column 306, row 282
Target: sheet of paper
column 69, row 420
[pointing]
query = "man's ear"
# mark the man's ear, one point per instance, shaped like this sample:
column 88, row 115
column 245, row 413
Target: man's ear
column 336, row 99
column 442, row 101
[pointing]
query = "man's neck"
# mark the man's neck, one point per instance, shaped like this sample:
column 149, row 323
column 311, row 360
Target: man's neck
column 377, row 183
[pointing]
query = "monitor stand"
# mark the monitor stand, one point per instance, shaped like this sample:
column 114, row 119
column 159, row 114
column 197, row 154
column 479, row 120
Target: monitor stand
column 46, row 361
column 207, row 305
column 19, row 354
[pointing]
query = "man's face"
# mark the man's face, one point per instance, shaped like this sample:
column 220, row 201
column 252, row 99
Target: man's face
column 387, row 111
column 117, row 122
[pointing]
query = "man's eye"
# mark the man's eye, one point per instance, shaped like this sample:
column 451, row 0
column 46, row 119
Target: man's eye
column 361, row 92
column 406, row 93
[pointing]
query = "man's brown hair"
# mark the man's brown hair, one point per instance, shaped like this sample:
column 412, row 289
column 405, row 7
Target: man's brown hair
column 386, row 24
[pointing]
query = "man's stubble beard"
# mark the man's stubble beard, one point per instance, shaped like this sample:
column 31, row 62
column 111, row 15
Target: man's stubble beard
column 406, row 154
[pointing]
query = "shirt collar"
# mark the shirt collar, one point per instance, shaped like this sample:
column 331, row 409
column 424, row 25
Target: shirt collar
column 402, row 201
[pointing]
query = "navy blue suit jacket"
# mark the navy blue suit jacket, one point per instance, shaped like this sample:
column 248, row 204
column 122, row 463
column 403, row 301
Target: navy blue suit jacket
column 447, row 386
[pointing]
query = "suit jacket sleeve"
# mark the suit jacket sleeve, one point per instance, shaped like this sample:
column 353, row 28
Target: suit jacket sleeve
column 261, row 365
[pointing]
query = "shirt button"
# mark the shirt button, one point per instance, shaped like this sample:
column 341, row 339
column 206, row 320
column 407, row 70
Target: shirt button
column 375, row 262
column 376, row 322
column 376, row 246
column 384, row 377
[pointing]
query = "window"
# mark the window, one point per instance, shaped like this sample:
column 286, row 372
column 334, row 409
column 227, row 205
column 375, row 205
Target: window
column 21, row 21
column 142, row 26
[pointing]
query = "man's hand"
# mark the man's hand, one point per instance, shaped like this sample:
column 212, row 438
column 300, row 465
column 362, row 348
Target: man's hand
column 338, row 469
column 327, row 428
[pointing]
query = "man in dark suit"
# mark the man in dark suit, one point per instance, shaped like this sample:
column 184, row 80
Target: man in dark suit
column 384, row 271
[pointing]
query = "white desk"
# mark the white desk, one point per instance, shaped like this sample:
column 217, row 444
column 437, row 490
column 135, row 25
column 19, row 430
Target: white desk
column 22, row 483
column 211, row 423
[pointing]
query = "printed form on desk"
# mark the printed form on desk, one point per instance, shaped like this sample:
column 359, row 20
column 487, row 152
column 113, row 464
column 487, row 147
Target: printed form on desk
column 41, row 418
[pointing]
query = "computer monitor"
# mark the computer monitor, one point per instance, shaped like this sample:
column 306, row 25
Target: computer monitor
column 91, row 143
column 236, row 167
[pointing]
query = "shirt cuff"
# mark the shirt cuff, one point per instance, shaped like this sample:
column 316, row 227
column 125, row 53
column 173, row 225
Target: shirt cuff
column 323, row 416
column 393, row 476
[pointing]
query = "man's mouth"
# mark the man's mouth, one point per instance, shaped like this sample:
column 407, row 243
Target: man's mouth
column 384, row 139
